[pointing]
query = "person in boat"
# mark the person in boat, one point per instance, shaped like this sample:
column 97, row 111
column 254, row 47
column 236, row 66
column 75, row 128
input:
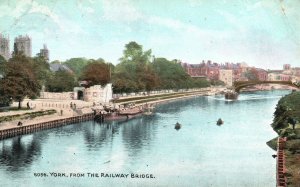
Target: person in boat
column 177, row 126
column 220, row 121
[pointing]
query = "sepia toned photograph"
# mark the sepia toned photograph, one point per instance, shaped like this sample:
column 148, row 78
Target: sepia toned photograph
column 140, row 93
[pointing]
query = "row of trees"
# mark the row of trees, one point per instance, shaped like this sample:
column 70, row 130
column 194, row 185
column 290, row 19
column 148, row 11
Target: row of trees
column 138, row 70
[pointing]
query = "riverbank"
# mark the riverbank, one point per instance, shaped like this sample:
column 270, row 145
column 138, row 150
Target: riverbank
column 65, row 110
column 162, row 98
column 287, row 124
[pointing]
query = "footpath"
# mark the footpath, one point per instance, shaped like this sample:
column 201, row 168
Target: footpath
column 62, row 107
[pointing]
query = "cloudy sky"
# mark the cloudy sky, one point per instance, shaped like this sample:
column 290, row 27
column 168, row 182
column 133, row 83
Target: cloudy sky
column 262, row 33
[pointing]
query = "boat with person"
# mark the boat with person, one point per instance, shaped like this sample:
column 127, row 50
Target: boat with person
column 220, row 122
column 177, row 126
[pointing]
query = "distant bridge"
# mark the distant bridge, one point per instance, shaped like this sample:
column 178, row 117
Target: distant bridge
column 238, row 85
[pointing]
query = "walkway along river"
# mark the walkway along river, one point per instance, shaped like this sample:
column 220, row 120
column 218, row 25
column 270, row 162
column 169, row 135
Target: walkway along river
column 199, row 154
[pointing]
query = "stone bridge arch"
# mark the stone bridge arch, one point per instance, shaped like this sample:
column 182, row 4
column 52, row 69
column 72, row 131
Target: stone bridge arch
column 238, row 85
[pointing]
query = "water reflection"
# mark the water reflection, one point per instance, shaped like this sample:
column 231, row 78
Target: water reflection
column 95, row 135
column 20, row 154
column 138, row 135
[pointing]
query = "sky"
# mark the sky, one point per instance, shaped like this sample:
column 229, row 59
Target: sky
column 262, row 33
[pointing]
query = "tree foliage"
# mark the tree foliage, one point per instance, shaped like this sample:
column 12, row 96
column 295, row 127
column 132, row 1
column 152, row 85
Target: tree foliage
column 252, row 74
column 138, row 70
column 41, row 69
column 77, row 65
column 96, row 72
column 171, row 74
column 61, row 81
column 19, row 80
column 135, row 72
column 2, row 62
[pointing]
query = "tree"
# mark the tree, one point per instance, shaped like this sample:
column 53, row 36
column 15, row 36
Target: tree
column 55, row 62
column 77, row 65
column 171, row 74
column 136, row 69
column 97, row 72
column 2, row 59
column 217, row 83
column 19, row 80
column 252, row 74
column 61, row 81
column 41, row 69
column 2, row 62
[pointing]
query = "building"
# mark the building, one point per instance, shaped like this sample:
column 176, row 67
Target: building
column 237, row 69
column 22, row 45
column 212, row 70
column 60, row 67
column 272, row 76
column 209, row 70
column 226, row 75
column 284, row 77
column 44, row 53
column 262, row 74
column 96, row 93
column 286, row 67
column 4, row 47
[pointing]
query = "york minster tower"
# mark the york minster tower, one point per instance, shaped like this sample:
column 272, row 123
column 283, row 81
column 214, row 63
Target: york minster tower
column 4, row 47
column 22, row 45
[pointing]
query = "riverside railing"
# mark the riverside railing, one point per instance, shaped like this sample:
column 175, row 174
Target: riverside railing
column 16, row 131
column 124, row 95
column 281, row 169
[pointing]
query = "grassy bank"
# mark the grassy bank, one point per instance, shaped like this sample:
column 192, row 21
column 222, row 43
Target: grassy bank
column 287, row 124
column 28, row 115
column 144, row 99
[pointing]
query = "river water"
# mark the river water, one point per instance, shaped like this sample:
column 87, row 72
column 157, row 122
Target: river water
column 199, row 154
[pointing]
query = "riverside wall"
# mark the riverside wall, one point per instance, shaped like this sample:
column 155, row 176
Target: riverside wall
column 21, row 130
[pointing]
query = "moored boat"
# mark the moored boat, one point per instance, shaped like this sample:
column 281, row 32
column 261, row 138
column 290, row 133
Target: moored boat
column 231, row 95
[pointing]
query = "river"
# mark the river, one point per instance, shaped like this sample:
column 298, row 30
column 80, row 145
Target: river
column 199, row 154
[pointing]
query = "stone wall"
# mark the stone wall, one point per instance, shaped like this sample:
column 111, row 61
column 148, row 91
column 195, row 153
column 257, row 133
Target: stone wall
column 55, row 95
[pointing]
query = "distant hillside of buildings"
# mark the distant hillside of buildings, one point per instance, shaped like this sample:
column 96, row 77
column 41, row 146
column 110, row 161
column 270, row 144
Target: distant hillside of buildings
column 230, row 72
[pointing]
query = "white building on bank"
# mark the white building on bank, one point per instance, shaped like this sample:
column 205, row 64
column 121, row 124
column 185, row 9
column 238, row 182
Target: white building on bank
column 226, row 76
column 96, row 93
